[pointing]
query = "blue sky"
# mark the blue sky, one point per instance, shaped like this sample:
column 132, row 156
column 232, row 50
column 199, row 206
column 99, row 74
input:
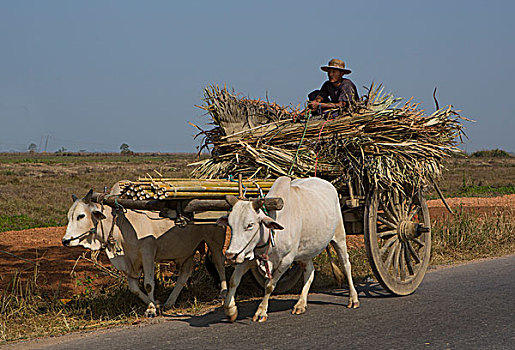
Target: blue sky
column 95, row 74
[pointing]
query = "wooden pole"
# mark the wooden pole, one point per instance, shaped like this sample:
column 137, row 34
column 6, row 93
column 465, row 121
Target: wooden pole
column 240, row 185
column 188, row 205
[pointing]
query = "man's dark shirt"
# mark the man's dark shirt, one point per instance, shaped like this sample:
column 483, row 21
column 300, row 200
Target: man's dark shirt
column 346, row 92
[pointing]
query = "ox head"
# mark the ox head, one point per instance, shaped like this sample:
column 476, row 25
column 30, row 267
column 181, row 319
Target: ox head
column 83, row 218
column 246, row 221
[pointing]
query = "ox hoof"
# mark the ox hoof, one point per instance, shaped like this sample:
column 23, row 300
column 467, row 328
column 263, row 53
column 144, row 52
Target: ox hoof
column 232, row 317
column 298, row 309
column 353, row 304
column 260, row 318
column 231, row 313
column 151, row 311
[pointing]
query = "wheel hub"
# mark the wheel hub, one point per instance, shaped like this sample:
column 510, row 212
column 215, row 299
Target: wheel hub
column 408, row 230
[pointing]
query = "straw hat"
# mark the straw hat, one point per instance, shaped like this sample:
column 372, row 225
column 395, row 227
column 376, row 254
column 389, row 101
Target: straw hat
column 336, row 64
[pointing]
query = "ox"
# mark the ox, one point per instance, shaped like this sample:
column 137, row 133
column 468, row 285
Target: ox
column 137, row 240
column 310, row 219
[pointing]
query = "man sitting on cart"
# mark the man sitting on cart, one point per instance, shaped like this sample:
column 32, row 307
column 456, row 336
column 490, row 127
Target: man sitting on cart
column 337, row 92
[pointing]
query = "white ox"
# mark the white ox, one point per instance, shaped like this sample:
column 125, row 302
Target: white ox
column 139, row 241
column 310, row 220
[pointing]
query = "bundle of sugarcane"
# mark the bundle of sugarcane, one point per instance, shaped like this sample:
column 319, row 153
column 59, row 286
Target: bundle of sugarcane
column 381, row 143
column 234, row 113
column 173, row 188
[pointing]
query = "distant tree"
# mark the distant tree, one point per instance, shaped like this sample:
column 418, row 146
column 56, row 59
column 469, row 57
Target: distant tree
column 492, row 153
column 124, row 149
column 61, row 150
column 33, row 147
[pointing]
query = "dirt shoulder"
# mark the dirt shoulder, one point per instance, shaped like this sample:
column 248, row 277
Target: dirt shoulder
column 475, row 202
column 42, row 246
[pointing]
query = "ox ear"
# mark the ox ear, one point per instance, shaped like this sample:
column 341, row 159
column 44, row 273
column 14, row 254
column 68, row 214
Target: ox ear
column 98, row 215
column 74, row 197
column 223, row 221
column 87, row 197
column 258, row 203
column 271, row 223
column 232, row 200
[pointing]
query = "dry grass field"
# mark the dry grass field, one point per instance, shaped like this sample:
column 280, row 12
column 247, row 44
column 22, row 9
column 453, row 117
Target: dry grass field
column 478, row 177
column 35, row 190
column 44, row 299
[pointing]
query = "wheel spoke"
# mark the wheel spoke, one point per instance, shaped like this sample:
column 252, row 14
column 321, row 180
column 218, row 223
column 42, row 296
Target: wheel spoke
column 386, row 222
column 391, row 255
column 393, row 205
column 402, row 263
column 413, row 253
column 396, row 261
column 419, row 242
column 407, row 258
column 388, row 233
column 408, row 203
column 413, row 211
column 402, row 210
column 393, row 217
column 387, row 245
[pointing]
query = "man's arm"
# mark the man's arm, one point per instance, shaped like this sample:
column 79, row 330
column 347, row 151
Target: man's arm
column 323, row 94
column 316, row 103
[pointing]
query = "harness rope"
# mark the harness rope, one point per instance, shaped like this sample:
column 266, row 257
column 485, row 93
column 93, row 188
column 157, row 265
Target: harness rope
column 271, row 241
column 92, row 230
column 264, row 258
column 110, row 241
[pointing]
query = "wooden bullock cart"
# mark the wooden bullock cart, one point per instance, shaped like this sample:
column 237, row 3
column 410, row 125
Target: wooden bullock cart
column 395, row 224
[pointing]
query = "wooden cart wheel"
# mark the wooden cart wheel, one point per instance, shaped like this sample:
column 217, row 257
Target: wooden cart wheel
column 398, row 239
column 287, row 281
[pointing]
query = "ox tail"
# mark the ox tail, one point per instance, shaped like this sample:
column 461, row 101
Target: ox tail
column 338, row 274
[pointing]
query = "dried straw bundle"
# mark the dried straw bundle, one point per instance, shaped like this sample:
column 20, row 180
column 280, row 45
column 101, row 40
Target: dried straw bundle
column 381, row 143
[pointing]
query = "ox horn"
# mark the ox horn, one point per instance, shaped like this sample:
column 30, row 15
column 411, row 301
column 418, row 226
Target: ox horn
column 258, row 203
column 87, row 197
column 232, row 200
column 74, row 197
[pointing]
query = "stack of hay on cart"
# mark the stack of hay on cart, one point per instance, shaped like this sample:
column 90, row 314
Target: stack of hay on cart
column 382, row 143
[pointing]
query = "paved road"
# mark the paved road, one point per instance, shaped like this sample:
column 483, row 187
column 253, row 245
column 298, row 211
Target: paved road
column 468, row 306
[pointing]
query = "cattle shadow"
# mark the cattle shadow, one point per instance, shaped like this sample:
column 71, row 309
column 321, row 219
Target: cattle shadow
column 247, row 308
column 365, row 290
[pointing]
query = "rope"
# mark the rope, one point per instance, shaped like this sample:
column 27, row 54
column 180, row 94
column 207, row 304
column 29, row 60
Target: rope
column 19, row 257
column 92, row 230
column 146, row 214
column 261, row 194
column 119, row 206
column 264, row 257
column 300, row 143
column 319, row 136
column 271, row 236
